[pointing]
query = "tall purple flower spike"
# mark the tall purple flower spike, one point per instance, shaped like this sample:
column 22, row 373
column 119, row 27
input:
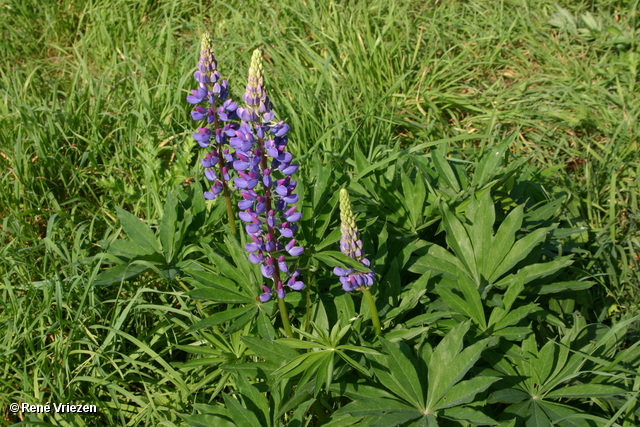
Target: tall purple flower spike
column 267, row 187
column 351, row 246
column 217, row 109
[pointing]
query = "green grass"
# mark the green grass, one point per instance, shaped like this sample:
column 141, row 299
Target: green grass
column 93, row 117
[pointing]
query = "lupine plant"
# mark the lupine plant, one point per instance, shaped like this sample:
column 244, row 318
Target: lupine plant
column 263, row 167
column 351, row 246
column 213, row 93
column 268, row 200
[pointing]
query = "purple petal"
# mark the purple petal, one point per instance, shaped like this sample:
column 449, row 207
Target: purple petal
column 256, row 258
column 210, row 174
column 244, row 216
column 292, row 198
column 289, row 170
column 267, row 270
column 265, row 296
column 245, row 204
column 296, row 251
column 251, row 247
column 295, row 217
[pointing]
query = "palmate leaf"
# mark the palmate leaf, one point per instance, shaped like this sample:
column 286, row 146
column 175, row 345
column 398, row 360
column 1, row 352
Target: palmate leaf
column 465, row 391
column 458, row 361
column 458, row 239
column 220, row 317
column 137, row 231
column 376, row 406
column 470, row 415
column 398, row 372
column 240, row 415
column 469, row 304
column 335, row 259
column 438, row 260
column 255, row 402
column 119, row 273
column 586, row 391
column 208, row 420
column 167, row 227
column 403, row 374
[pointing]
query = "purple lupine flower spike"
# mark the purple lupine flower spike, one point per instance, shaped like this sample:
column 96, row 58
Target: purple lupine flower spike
column 265, row 179
column 351, row 246
column 213, row 91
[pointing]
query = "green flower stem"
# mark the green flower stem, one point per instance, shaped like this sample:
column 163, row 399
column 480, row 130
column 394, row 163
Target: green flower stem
column 374, row 311
column 312, row 280
column 227, row 200
column 285, row 318
column 225, row 187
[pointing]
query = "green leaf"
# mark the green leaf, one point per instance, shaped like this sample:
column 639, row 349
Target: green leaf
column 265, row 328
column 167, row 226
column 414, row 195
column 465, row 391
column 449, row 354
column 482, row 215
column 223, row 266
column 207, row 420
column 241, row 416
column 375, row 406
column 472, row 297
column 338, row 259
column 441, row 164
column 241, row 321
column 212, row 280
column 490, row 160
column 270, row 350
column 503, row 241
column 470, row 306
column 520, row 250
column 403, row 374
column 119, row 273
column 129, row 249
column 220, row 317
column 586, row 391
column 508, row 395
column 354, row 364
column 255, row 402
column 438, row 260
column 403, row 334
column 137, row 231
column 302, row 363
column 515, row 316
column 562, row 287
column 296, row 343
column 458, row 239
column 220, row 295
column 469, row 415
column 332, row 238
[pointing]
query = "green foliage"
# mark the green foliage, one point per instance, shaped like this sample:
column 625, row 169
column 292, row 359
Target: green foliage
column 424, row 391
column 491, row 153
column 165, row 252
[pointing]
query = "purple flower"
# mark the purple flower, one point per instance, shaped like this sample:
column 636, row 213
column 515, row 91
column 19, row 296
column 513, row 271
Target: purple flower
column 213, row 91
column 351, row 245
column 267, row 187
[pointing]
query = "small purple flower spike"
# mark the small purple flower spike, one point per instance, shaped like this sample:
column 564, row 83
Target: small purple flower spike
column 218, row 110
column 351, row 246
